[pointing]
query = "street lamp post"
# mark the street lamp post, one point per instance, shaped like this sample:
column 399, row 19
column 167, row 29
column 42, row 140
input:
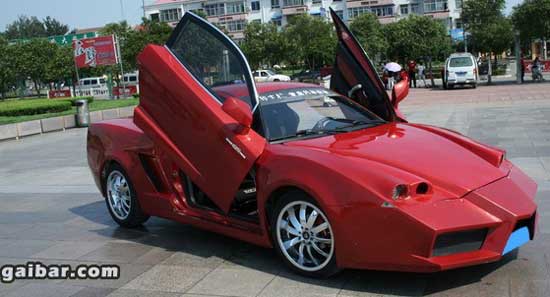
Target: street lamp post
column 518, row 57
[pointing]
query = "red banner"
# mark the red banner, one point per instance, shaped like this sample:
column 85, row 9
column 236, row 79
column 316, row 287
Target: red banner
column 93, row 52
column 60, row 94
column 128, row 90
column 529, row 63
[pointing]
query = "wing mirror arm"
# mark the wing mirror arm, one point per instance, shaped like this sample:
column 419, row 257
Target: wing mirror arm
column 354, row 89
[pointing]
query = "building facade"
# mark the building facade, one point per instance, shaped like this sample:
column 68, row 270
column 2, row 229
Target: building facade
column 233, row 15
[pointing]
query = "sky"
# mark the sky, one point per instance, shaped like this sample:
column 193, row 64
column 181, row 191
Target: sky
column 88, row 13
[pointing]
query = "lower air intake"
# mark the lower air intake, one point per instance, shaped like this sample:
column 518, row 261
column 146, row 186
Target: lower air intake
column 459, row 242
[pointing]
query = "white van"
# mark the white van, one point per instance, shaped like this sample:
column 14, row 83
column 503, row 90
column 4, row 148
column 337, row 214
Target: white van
column 92, row 82
column 460, row 69
column 131, row 79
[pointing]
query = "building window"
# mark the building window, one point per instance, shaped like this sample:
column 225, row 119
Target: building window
column 170, row 15
column 383, row 10
column 232, row 26
column 316, row 1
column 340, row 14
column 234, row 7
column 458, row 23
column 277, row 22
column 255, row 5
column 459, row 3
column 275, row 4
column 435, row 5
column 214, row 9
column 357, row 11
column 155, row 17
column 415, row 8
column 404, row 9
column 379, row 11
column 293, row 2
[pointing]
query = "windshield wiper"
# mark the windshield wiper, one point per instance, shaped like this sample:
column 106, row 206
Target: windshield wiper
column 308, row 132
column 355, row 123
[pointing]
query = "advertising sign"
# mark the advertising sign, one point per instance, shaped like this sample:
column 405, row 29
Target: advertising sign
column 59, row 94
column 93, row 52
column 69, row 38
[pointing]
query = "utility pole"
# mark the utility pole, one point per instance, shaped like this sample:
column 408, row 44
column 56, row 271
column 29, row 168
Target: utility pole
column 143, row 6
column 122, row 10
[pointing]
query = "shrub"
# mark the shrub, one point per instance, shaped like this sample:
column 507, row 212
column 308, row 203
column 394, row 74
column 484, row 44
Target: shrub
column 136, row 96
column 73, row 100
column 33, row 106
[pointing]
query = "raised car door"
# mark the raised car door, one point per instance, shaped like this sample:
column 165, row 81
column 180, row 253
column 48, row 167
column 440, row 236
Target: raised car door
column 353, row 68
column 183, row 86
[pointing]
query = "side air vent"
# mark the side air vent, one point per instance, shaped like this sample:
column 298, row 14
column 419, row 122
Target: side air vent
column 459, row 242
column 150, row 169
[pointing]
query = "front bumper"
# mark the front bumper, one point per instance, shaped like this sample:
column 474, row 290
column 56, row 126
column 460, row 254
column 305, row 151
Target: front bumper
column 406, row 238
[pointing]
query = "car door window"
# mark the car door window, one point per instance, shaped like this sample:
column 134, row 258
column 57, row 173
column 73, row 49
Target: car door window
column 212, row 58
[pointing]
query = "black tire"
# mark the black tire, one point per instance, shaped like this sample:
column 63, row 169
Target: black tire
column 474, row 86
column 136, row 217
column 276, row 80
column 445, row 87
column 330, row 268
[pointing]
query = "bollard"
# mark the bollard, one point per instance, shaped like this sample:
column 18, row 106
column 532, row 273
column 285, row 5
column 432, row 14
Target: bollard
column 82, row 114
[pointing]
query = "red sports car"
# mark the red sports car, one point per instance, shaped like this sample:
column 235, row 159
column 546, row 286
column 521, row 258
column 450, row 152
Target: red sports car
column 331, row 179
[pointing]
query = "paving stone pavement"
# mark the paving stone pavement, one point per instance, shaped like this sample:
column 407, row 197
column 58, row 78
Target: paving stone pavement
column 50, row 211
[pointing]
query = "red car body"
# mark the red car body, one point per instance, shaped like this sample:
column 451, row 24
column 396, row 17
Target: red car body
column 460, row 203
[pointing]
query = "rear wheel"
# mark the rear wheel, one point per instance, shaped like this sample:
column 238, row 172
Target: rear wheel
column 121, row 198
column 303, row 236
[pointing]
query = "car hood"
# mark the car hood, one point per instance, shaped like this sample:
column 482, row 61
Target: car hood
column 446, row 159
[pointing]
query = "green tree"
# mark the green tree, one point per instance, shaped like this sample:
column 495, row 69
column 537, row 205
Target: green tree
column 490, row 30
column 428, row 39
column 31, row 27
column 7, row 67
column 532, row 19
column 54, row 27
column 311, row 41
column 31, row 60
column 150, row 32
column 369, row 33
column 263, row 44
column 60, row 66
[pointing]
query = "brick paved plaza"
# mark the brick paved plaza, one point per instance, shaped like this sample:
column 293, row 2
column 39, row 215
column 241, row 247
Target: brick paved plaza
column 50, row 211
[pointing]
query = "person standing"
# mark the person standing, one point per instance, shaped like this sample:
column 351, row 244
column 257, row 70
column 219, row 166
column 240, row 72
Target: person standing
column 412, row 73
column 422, row 73
column 522, row 65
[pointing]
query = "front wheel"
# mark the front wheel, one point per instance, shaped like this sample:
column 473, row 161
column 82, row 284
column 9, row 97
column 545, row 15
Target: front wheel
column 121, row 198
column 303, row 236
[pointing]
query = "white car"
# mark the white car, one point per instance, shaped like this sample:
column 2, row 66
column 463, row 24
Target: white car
column 269, row 75
column 460, row 69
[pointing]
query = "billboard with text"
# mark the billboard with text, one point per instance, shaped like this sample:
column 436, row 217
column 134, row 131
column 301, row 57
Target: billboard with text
column 93, row 52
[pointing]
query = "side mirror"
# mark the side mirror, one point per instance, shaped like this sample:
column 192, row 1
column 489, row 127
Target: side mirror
column 240, row 112
column 399, row 92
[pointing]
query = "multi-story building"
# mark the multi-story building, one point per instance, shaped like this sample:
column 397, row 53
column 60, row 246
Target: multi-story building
column 233, row 15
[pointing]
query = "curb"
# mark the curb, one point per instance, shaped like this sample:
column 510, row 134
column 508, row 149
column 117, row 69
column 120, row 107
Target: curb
column 18, row 130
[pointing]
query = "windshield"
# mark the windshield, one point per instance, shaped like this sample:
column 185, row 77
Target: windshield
column 311, row 112
column 461, row 62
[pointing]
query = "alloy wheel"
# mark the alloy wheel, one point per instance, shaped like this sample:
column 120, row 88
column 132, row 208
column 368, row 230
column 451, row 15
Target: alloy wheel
column 305, row 236
column 118, row 192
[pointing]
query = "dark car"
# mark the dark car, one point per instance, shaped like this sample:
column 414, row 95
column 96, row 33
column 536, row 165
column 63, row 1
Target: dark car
column 307, row 76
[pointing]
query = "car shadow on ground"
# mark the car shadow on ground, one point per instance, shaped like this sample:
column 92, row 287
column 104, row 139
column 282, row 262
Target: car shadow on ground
column 211, row 248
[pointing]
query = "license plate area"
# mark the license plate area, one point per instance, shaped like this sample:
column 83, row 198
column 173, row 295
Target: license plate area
column 518, row 238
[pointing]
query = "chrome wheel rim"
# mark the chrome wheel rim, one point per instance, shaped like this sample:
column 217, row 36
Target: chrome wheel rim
column 118, row 194
column 305, row 236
